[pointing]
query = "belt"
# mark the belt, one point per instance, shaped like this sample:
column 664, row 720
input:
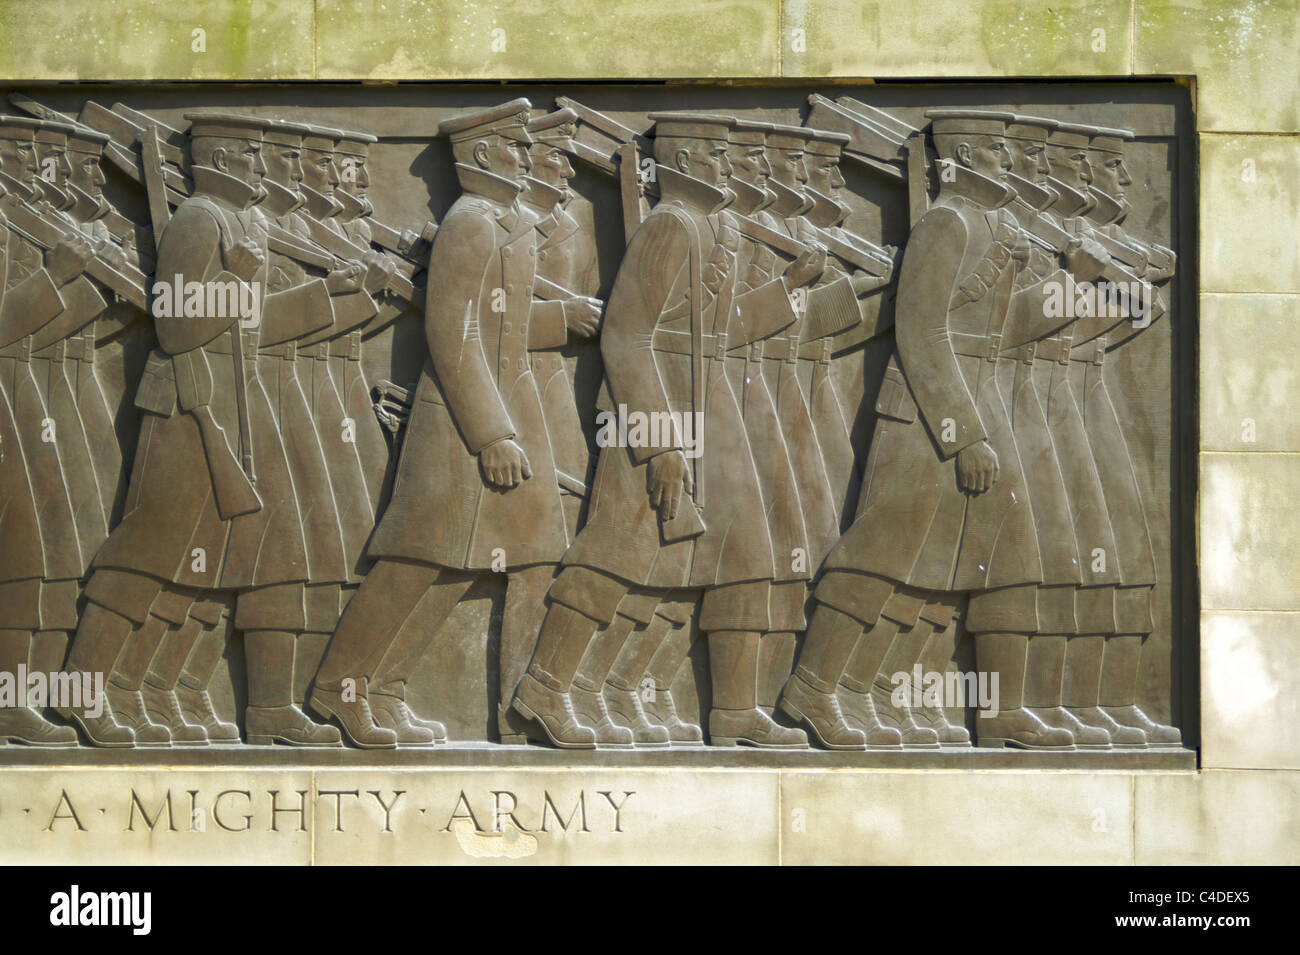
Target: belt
column 221, row 345
column 286, row 350
column 1092, row 353
column 55, row 351
column 681, row 343
column 987, row 347
column 21, row 349
column 319, row 351
column 1055, row 350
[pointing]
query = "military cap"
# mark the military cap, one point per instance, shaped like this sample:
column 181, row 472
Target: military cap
column 1108, row 140
column 1034, row 129
column 283, row 133
column 225, row 125
column 352, row 143
column 1070, row 134
column 824, row 142
column 555, row 129
column 789, row 137
column 54, row 132
column 968, row 122
column 321, row 139
column 83, row 139
column 509, row 120
column 686, row 124
column 750, row 132
column 18, row 127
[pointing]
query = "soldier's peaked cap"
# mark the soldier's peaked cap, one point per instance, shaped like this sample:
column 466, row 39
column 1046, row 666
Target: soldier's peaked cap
column 508, row 120
column 283, row 133
column 1070, row 135
column 686, row 124
column 749, row 132
column 556, row 128
column 825, row 142
column 83, row 139
column 1109, row 140
column 1034, row 129
column 321, row 138
column 226, row 125
column 52, row 131
column 789, row 137
column 352, row 143
column 968, row 122
column 18, row 127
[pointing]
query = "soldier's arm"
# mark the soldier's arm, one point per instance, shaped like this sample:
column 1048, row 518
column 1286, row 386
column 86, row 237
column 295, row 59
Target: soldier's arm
column 656, row 256
column 925, row 288
column 29, row 304
column 462, row 250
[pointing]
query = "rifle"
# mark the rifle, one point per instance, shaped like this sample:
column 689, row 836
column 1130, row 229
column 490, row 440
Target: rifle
column 617, row 150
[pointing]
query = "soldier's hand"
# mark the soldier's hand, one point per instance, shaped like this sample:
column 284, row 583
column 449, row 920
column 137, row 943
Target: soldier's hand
column 504, row 464
column 864, row 282
column 977, row 467
column 245, row 259
column 68, row 259
column 582, row 315
column 379, row 272
column 346, row 279
column 806, row 269
column 669, row 478
column 110, row 252
column 1086, row 259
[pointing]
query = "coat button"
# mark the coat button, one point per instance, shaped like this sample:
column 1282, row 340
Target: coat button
column 542, row 255
column 532, row 250
column 522, row 364
column 506, row 253
column 506, row 328
column 505, row 362
column 510, row 289
column 528, row 290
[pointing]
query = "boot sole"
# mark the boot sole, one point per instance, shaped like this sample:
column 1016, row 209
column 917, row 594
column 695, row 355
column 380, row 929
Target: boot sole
column 1005, row 743
column 19, row 741
column 742, row 741
column 270, row 739
column 332, row 718
column 524, row 710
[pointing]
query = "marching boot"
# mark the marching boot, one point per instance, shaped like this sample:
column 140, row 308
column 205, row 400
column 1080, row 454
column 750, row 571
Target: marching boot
column 271, row 716
column 589, row 707
column 776, row 652
column 1157, row 734
column 735, row 719
column 819, row 711
column 1085, row 736
column 22, row 724
column 663, row 710
column 391, row 712
column 936, row 719
column 1121, row 737
column 1006, row 654
column 354, row 717
column 161, row 706
column 128, row 709
column 197, row 710
column 899, row 716
column 859, row 711
column 551, row 709
column 624, row 707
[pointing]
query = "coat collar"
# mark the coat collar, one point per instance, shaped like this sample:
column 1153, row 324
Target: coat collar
column 827, row 211
column 688, row 191
column 320, row 206
column 488, row 185
column 749, row 198
column 280, row 200
column 981, row 191
column 789, row 202
column 85, row 207
column 354, row 207
column 17, row 189
column 228, row 190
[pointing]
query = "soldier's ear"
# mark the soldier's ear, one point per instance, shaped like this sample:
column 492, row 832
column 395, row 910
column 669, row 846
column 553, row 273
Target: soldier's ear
column 219, row 158
column 481, row 154
column 682, row 160
column 962, row 153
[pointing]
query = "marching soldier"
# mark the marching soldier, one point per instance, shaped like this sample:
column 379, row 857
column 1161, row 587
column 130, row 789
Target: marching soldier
column 212, row 505
column 701, row 525
column 945, row 510
column 42, row 559
column 476, row 489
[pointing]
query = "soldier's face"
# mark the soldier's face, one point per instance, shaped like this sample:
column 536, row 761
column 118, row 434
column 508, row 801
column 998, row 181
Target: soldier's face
column 87, row 175
column 1070, row 165
column 987, row 155
column 319, row 171
column 789, row 168
column 551, row 165
column 1029, row 160
column 708, row 162
column 243, row 160
column 824, row 174
column 749, row 164
column 1110, row 174
column 54, row 164
column 18, row 159
column 354, row 180
column 504, row 157
column 284, row 165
